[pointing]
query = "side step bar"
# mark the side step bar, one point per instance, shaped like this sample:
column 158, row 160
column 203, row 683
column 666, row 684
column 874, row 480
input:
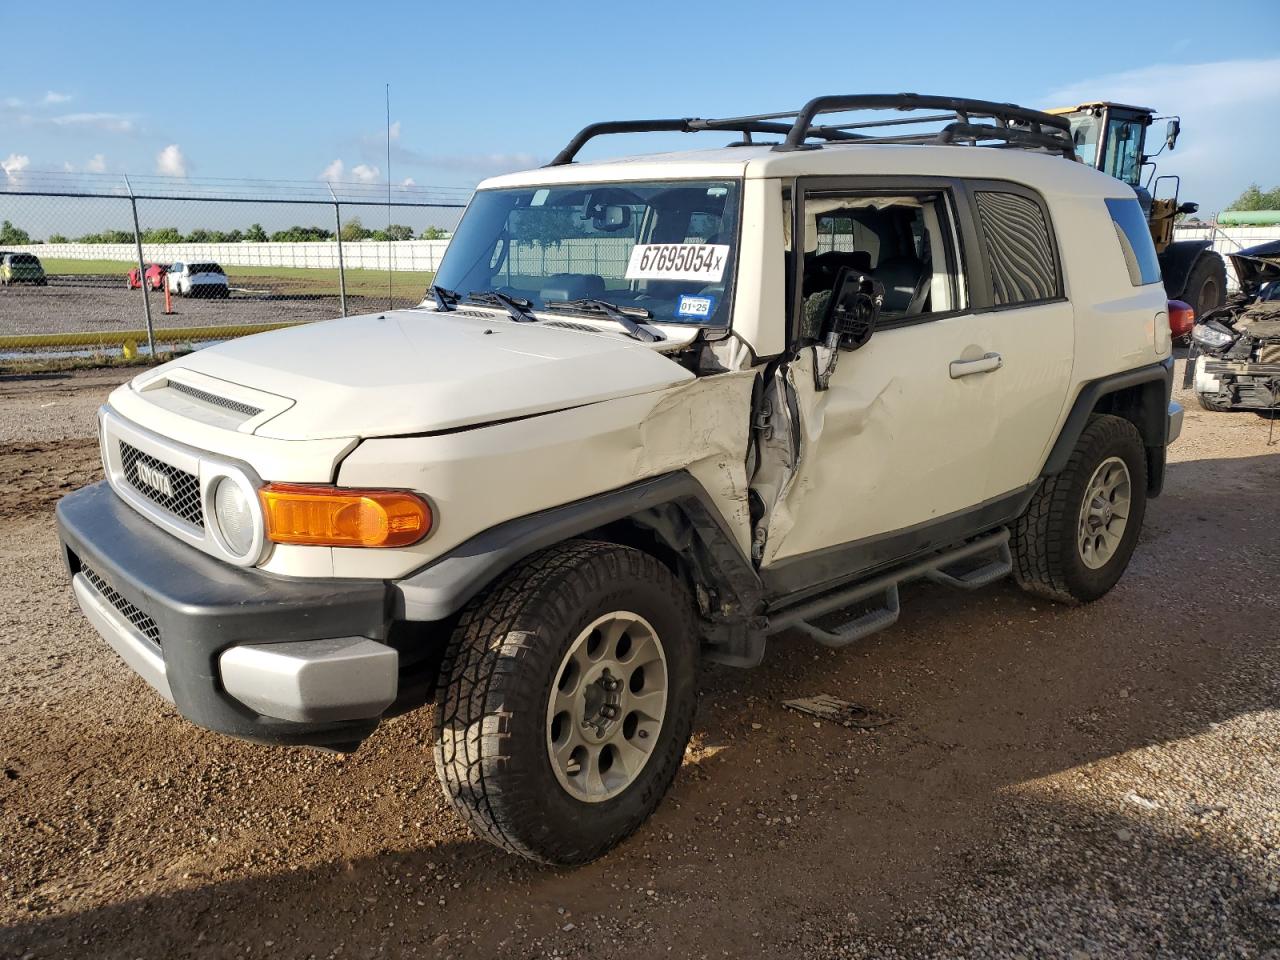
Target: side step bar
column 933, row 568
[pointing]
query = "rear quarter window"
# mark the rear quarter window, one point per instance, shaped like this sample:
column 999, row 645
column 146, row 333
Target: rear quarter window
column 1135, row 241
column 1019, row 249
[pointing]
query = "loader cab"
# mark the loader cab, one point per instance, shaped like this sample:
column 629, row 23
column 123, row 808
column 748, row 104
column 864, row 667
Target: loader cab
column 1111, row 137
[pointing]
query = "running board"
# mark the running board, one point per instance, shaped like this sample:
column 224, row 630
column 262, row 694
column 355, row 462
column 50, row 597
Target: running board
column 997, row 568
column 886, row 585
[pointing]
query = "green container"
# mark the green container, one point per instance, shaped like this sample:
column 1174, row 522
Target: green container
column 1252, row 218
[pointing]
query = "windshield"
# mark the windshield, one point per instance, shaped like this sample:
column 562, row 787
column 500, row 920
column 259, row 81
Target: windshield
column 668, row 248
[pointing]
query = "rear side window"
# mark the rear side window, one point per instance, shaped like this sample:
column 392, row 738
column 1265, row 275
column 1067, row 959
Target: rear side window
column 1019, row 250
column 1135, row 241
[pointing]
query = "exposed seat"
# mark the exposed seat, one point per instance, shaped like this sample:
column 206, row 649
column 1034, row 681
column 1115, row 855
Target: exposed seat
column 906, row 284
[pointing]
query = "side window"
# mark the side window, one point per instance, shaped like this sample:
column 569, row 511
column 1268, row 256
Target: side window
column 902, row 241
column 1135, row 241
column 1018, row 247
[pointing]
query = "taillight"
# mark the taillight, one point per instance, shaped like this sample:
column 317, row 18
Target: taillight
column 1181, row 318
column 341, row 517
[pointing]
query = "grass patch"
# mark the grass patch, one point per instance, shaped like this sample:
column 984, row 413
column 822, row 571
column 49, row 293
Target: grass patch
column 96, row 361
column 294, row 281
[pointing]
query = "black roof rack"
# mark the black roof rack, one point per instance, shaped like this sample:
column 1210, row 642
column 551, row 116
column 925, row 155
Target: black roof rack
column 1010, row 126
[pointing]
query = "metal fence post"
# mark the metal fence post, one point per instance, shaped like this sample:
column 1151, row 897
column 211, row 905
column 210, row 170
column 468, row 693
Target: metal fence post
column 142, row 270
column 342, row 272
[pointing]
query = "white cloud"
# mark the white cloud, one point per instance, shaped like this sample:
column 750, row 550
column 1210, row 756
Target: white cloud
column 13, row 103
column 54, row 97
column 95, row 164
column 394, row 131
column 408, row 182
column 15, row 164
column 1225, row 144
column 364, row 173
column 333, row 171
column 170, row 162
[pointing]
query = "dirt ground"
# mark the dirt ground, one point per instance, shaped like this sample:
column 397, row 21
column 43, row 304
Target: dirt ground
column 1059, row 782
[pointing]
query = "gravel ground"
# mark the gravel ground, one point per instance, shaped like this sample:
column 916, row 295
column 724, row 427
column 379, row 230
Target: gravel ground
column 75, row 304
column 1060, row 782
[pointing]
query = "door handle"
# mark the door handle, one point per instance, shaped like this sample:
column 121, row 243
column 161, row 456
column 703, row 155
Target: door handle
column 984, row 364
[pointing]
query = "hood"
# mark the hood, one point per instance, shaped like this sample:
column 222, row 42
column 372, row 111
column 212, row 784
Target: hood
column 1255, row 266
column 421, row 371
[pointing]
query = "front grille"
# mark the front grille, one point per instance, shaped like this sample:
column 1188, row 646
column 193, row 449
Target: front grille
column 175, row 490
column 212, row 398
column 141, row 622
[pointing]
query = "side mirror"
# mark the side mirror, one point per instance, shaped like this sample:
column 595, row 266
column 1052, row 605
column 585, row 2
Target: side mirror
column 1171, row 131
column 1188, row 207
column 853, row 310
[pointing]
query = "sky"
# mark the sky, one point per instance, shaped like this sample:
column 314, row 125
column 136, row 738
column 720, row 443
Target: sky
column 296, row 91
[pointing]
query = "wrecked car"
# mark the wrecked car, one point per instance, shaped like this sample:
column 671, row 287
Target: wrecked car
column 1237, row 347
column 652, row 411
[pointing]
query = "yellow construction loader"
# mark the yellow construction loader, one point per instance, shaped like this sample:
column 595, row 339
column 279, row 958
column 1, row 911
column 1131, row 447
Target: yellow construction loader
column 1111, row 137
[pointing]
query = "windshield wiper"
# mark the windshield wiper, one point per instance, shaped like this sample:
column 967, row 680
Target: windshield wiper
column 445, row 299
column 620, row 315
column 519, row 310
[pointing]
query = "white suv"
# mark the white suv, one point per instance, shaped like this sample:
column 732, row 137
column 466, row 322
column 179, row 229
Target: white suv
column 654, row 410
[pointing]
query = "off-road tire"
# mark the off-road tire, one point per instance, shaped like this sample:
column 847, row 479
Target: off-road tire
column 1211, row 405
column 496, row 680
column 1206, row 287
column 1046, row 555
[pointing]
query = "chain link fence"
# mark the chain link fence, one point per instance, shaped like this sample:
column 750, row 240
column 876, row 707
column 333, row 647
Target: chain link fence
column 109, row 264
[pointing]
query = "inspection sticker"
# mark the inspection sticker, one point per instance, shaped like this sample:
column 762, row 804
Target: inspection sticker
column 678, row 261
column 695, row 308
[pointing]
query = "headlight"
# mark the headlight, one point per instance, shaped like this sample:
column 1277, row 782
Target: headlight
column 234, row 515
column 1211, row 335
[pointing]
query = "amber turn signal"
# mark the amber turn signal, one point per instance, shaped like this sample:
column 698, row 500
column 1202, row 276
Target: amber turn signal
column 341, row 517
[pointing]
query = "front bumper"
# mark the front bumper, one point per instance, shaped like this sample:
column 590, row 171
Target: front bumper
column 237, row 651
column 1238, row 383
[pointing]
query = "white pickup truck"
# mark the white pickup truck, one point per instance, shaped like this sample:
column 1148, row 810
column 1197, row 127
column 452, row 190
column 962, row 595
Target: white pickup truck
column 653, row 410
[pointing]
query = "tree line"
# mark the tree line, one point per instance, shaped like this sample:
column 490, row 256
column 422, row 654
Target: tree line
column 353, row 229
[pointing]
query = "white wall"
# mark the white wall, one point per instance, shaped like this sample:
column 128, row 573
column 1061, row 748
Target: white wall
column 407, row 255
column 1227, row 240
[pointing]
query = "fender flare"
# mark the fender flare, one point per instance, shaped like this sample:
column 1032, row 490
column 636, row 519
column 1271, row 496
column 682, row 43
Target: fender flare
column 1150, row 416
column 674, row 506
column 1177, row 262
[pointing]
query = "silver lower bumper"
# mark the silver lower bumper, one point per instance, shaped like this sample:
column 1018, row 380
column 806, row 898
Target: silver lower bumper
column 307, row 681
column 1175, row 422
column 347, row 678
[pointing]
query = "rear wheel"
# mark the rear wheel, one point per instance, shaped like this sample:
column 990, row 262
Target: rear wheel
column 1074, row 541
column 567, row 701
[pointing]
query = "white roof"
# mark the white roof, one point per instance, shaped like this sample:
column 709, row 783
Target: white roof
column 1047, row 173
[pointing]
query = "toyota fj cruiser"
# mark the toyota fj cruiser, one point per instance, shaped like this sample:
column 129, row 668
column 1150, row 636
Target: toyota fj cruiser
column 653, row 410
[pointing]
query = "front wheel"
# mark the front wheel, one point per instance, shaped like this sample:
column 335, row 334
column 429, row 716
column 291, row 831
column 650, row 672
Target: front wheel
column 567, row 701
column 1074, row 541
column 1206, row 284
column 1210, row 402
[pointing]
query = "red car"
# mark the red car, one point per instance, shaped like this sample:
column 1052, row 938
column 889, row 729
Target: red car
column 155, row 277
